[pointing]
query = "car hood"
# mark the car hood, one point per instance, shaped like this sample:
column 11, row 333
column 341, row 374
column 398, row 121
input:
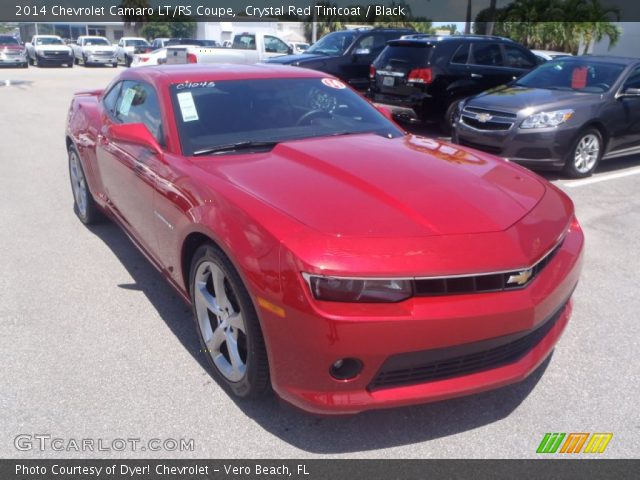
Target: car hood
column 301, row 58
column 516, row 98
column 370, row 186
column 10, row 47
column 53, row 48
column 99, row 48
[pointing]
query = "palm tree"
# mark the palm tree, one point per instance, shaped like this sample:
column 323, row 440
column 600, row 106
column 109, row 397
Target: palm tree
column 598, row 24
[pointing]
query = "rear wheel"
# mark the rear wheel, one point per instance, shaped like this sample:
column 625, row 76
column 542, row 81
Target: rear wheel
column 83, row 203
column 584, row 156
column 227, row 323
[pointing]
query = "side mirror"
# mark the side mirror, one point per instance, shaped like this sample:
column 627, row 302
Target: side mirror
column 135, row 133
column 362, row 51
column 631, row 92
column 386, row 111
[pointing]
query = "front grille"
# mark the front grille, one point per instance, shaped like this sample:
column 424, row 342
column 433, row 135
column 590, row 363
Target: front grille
column 494, row 126
column 484, row 119
column 438, row 364
column 482, row 283
column 56, row 54
column 102, row 54
column 478, row 146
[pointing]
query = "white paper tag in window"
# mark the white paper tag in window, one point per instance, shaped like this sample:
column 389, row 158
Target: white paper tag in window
column 127, row 100
column 187, row 107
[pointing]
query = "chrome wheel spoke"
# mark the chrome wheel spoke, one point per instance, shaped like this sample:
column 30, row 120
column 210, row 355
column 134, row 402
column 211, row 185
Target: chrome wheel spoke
column 586, row 154
column 221, row 326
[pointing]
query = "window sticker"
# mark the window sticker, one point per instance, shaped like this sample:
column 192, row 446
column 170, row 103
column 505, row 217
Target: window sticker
column 127, row 100
column 187, row 107
column 579, row 78
column 333, row 83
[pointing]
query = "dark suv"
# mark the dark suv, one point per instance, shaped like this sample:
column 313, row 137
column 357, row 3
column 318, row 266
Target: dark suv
column 423, row 77
column 346, row 54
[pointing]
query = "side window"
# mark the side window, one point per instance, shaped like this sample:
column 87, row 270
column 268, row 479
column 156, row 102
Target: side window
column 244, row 42
column 488, row 54
column 138, row 103
column 109, row 100
column 515, row 57
column 374, row 43
column 461, row 55
column 634, row 79
column 275, row 45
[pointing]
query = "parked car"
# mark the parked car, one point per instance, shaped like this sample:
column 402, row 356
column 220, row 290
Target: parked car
column 247, row 48
column 299, row 47
column 567, row 114
column 12, row 53
column 130, row 46
column 159, row 43
column 346, row 54
column 546, row 55
column 156, row 57
column 324, row 251
column 49, row 50
column 424, row 77
column 90, row 50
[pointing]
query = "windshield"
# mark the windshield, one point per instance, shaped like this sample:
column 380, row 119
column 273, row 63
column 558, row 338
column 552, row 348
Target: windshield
column 573, row 75
column 48, row 41
column 135, row 43
column 335, row 43
column 8, row 40
column 211, row 114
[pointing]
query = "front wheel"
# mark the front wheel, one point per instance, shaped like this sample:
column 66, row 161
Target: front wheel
column 83, row 203
column 584, row 156
column 128, row 61
column 227, row 323
column 447, row 122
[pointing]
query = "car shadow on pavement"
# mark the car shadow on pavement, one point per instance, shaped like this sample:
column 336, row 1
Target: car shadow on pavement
column 329, row 434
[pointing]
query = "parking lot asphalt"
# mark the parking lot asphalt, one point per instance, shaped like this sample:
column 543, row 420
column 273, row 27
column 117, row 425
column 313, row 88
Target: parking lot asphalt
column 95, row 344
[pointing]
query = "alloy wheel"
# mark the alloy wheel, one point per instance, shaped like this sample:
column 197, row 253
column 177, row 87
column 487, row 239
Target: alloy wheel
column 78, row 184
column 220, row 321
column 587, row 152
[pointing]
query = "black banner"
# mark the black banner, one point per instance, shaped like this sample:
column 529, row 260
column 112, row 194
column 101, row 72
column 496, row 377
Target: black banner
column 357, row 11
column 316, row 469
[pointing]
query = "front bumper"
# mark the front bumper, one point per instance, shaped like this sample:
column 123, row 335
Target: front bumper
column 536, row 147
column 54, row 60
column 101, row 59
column 12, row 60
column 419, row 326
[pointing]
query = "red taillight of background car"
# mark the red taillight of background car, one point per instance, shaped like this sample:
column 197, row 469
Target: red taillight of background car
column 420, row 75
column 372, row 71
column 191, row 58
column 143, row 59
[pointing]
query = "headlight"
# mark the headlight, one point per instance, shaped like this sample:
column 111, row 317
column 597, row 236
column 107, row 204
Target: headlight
column 547, row 119
column 340, row 289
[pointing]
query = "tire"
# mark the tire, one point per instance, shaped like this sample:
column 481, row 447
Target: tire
column 238, row 357
column 127, row 61
column 76, row 60
column 30, row 61
column 114, row 65
column 585, row 154
column 84, row 205
column 25, row 65
column 70, row 65
column 447, row 122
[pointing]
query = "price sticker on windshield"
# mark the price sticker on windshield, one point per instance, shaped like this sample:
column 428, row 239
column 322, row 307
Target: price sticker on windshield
column 333, row 83
column 187, row 107
column 127, row 100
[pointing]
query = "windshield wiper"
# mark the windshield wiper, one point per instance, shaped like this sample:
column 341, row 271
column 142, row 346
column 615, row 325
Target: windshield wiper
column 234, row 147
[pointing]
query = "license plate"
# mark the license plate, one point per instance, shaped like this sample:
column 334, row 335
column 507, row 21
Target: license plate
column 388, row 81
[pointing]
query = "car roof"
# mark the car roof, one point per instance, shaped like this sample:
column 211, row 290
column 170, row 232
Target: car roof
column 163, row 75
column 604, row 58
column 430, row 38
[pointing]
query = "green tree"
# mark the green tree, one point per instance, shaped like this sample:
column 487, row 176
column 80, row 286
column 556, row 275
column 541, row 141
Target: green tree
column 153, row 30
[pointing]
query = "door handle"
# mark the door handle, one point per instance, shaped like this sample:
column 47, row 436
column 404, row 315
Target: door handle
column 476, row 75
column 102, row 139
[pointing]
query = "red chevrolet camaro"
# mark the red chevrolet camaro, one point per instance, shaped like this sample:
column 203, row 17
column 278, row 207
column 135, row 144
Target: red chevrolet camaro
column 325, row 252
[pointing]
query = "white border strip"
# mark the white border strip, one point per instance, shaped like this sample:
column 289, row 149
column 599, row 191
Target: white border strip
column 602, row 178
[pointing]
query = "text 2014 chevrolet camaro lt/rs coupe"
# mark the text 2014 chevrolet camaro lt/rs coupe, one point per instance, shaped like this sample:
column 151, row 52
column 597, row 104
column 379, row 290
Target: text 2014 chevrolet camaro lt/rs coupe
column 325, row 252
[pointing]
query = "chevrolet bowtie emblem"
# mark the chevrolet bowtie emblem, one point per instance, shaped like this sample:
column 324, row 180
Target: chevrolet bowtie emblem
column 521, row 278
column 483, row 117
